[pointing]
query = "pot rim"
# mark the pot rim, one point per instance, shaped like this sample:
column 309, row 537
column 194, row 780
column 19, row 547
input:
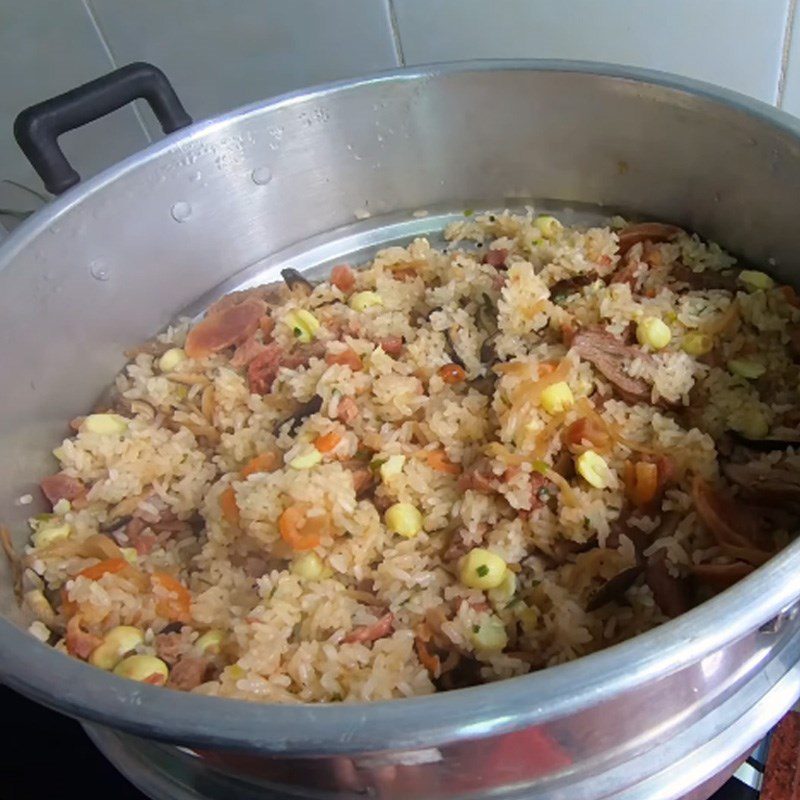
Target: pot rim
column 75, row 688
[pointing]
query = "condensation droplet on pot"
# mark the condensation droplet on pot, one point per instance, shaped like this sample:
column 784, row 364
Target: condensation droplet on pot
column 198, row 176
column 261, row 175
column 181, row 211
column 99, row 270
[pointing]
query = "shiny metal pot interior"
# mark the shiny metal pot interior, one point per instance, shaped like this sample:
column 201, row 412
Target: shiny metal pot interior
column 231, row 200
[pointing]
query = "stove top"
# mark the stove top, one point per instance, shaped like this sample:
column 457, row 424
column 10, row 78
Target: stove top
column 43, row 737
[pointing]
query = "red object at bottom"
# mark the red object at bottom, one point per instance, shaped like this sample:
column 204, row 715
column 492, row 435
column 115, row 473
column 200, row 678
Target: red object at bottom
column 782, row 773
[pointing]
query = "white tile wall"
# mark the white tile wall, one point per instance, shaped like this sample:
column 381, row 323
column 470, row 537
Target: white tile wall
column 734, row 43
column 223, row 54
column 47, row 48
column 220, row 55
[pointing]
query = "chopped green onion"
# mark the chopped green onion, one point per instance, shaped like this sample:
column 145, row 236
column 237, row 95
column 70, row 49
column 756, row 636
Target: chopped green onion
column 482, row 571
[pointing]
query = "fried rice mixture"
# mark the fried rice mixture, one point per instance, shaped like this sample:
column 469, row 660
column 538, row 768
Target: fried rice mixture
column 448, row 467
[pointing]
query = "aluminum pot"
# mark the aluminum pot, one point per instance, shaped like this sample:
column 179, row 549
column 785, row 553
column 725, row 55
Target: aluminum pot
column 228, row 201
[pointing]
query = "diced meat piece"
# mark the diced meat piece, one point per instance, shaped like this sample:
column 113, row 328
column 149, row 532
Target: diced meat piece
column 343, row 278
column 79, row 642
column 496, row 258
column 347, row 411
column 391, row 345
column 672, row 595
column 271, row 293
column 655, row 232
column 347, row 357
column 249, row 349
column 62, row 487
column 171, row 647
column 610, row 356
column 721, row 576
column 188, row 673
column 266, row 324
column 300, row 356
column 363, row 480
column 370, row 633
column 224, row 328
column 708, row 279
column 261, row 371
column 140, row 537
column 457, row 547
column 562, row 289
column 765, row 483
column 479, row 477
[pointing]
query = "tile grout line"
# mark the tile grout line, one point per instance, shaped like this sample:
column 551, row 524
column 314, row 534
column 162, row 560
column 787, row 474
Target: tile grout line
column 398, row 42
column 785, row 52
column 110, row 55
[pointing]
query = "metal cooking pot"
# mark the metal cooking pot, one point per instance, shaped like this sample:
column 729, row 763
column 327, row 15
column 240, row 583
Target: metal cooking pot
column 228, row 201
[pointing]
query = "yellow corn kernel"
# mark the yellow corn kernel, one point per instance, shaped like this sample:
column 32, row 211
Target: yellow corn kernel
column 746, row 368
column 116, row 643
column 528, row 617
column 235, row 672
column 549, row 226
column 139, row 667
column 105, row 424
column 482, row 569
column 308, row 566
column 392, row 467
column 361, row 301
column 755, row 280
column 489, row 635
column 653, row 332
column 751, row 423
column 594, row 470
column 52, row 532
column 557, row 398
column 62, row 506
column 697, row 344
column 403, row 519
column 501, row 595
column 171, row 359
column 211, row 641
column 306, row 460
column 303, row 323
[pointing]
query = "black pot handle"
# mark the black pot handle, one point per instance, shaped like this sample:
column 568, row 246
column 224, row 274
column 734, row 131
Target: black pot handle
column 38, row 127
